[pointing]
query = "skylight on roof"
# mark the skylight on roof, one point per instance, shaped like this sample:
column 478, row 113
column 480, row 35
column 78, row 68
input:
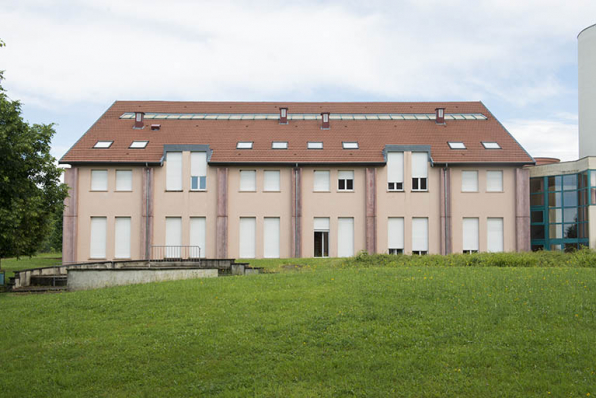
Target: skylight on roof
column 244, row 145
column 491, row 145
column 456, row 145
column 350, row 145
column 103, row 144
column 315, row 145
column 138, row 144
column 279, row 145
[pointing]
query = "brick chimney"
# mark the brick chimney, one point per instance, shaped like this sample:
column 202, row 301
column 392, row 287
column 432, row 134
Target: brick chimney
column 440, row 115
column 139, row 117
column 283, row 115
column 325, row 119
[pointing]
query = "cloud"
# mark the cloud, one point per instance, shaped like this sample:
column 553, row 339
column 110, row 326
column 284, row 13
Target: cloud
column 546, row 138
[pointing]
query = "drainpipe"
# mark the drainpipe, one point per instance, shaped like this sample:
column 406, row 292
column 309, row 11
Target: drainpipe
column 296, row 210
column 147, row 246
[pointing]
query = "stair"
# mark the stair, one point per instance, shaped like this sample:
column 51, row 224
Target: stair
column 49, row 280
column 38, row 289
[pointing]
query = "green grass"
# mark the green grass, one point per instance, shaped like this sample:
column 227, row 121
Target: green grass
column 331, row 328
column 41, row 260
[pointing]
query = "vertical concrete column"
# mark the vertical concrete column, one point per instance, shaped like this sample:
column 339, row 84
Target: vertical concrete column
column 371, row 209
column 147, row 213
column 522, row 209
column 445, row 211
column 222, row 213
column 296, row 198
column 70, row 216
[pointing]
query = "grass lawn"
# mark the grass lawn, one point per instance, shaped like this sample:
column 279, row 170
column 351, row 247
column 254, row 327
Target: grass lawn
column 41, row 260
column 327, row 329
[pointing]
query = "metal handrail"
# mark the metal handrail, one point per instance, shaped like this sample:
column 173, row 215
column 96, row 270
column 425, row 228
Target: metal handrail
column 167, row 252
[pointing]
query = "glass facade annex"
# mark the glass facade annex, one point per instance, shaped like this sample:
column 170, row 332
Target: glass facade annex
column 559, row 210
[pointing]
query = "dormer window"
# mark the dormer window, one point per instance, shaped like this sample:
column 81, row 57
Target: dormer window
column 457, row 145
column 350, row 145
column 138, row 144
column 279, row 145
column 244, row 145
column 315, row 145
column 491, row 145
column 103, row 144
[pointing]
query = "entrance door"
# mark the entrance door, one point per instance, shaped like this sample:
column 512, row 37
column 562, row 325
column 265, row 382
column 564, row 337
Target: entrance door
column 321, row 243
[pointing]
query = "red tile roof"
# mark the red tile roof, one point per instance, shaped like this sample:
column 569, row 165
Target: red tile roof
column 372, row 135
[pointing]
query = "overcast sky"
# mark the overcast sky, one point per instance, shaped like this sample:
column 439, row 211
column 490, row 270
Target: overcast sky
column 67, row 61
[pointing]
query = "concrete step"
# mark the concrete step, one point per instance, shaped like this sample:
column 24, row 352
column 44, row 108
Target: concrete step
column 38, row 289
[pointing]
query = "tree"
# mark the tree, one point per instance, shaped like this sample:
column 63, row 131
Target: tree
column 30, row 189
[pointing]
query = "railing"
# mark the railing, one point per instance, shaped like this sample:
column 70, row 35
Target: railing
column 165, row 253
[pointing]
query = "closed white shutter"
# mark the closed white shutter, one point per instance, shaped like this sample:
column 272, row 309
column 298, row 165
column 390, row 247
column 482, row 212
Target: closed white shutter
column 321, row 181
column 470, row 233
column 122, row 237
column 173, row 237
column 494, row 181
column 98, row 234
column 345, row 175
column 345, row 237
column 395, row 167
column 271, row 237
column 420, row 234
column 123, row 180
column 174, row 171
column 469, row 181
column 419, row 164
column 271, row 178
column 495, row 234
column 198, row 163
column 248, row 180
column 321, row 224
column 248, row 227
column 395, row 233
column 197, row 237
column 99, row 180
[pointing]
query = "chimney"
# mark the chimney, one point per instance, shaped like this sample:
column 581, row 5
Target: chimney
column 325, row 117
column 440, row 115
column 283, row 115
column 139, row 116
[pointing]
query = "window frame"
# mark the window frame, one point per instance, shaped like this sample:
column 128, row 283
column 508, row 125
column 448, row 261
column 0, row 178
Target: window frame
column 278, row 181
column 244, row 145
column 328, row 180
column 107, row 181
column 346, row 181
column 345, row 145
column 285, row 145
column 454, row 145
column 240, row 180
column 131, row 180
column 314, row 145
column 132, row 144
column 502, row 176
column 462, row 181
column 100, row 144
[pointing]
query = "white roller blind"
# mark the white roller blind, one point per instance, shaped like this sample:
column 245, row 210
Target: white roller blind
column 99, row 180
column 420, row 234
column 419, row 164
column 271, row 180
column 321, row 224
column 470, row 233
column 271, row 237
column 197, row 237
column 469, row 181
column 321, row 180
column 248, row 227
column 345, row 237
column 395, row 167
column 395, row 233
column 174, row 171
column 494, row 181
column 173, row 236
column 198, row 163
column 345, row 175
column 123, row 180
column 248, row 180
column 97, row 247
column 495, row 234
column 122, row 237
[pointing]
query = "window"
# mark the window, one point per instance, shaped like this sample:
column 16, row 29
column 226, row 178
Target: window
column 345, row 237
column 123, row 180
column 321, row 234
column 470, row 235
column 491, row 145
column 419, row 171
column 138, row 144
column 122, row 237
column 99, row 180
column 198, row 171
column 271, row 237
column 494, row 181
column 103, row 144
column 279, row 145
column 457, row 145
column 420, row 236
column 97, row 247
column 395, row 235
column 197, row 237
column 349, row 145
column 248, row 180
column 247, row 246
column 173, row 237
column 315, row 145
column 395, row 171
column 244, row 145
column 272, row 183
column 469, row 181
column 494, row 234
column 174, row 171
column 345, row 180
column 321, row 183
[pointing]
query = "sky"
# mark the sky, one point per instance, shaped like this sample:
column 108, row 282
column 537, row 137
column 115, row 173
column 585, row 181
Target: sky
column 68, row 61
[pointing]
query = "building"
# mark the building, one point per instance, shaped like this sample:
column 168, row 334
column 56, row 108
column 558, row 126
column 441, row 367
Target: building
column 242, row 180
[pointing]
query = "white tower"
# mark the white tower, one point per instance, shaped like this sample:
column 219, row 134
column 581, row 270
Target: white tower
column 587, row 91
